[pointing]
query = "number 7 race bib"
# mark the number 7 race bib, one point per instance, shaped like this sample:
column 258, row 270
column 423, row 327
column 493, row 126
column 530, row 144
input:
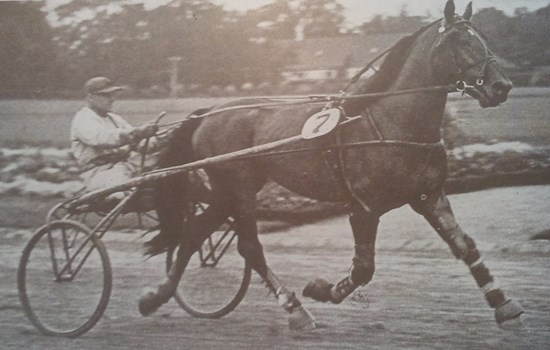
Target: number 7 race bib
column 321, row 123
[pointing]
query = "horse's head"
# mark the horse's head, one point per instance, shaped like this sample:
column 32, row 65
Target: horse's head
column 461, row 55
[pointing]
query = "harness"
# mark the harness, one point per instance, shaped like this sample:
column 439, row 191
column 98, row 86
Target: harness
column 335, row 152
column 337, row 163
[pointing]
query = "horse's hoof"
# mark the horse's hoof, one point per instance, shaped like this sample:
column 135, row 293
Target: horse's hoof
column 147, row 303
column 301, row 319
column 318, row 289
column 508, row 313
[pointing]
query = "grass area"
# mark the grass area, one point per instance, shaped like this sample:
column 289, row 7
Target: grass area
column 47, row 123
column 524, row 117
column 25, row 211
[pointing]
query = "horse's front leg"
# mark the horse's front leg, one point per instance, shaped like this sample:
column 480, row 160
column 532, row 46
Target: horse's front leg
column 251, row 249
column 364, row 226
column 437, row 210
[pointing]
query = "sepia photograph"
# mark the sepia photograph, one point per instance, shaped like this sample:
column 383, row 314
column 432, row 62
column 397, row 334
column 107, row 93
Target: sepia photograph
column 274, row 174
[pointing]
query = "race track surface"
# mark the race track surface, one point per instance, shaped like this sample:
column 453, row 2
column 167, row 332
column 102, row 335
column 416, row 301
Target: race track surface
column 419, row 298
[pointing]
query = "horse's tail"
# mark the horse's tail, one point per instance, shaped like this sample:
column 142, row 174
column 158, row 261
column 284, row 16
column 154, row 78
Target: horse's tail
column 173, row 194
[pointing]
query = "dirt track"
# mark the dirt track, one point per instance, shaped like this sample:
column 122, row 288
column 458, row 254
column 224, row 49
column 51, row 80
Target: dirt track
column 420, row 297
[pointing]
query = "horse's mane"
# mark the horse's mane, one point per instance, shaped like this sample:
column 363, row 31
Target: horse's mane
column 392, row 64
column 388, row 72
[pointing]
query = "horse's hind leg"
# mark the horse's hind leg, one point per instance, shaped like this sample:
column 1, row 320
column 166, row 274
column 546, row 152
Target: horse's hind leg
column 437, row 210
column 197, row 231
column 251, row 249
column 364, row 226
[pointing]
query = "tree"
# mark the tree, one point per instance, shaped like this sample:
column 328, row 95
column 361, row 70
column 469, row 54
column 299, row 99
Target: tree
column 133, row 45
column 539, row 36
column 321, row 18
column 522, row 38
column 497, row 27
column 27, row 51
column 284, row 19
column 106, row 42
column 393, row 24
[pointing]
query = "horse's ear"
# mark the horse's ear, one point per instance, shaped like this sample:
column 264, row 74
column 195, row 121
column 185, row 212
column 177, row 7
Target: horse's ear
column 449, row 12
column 468, row 12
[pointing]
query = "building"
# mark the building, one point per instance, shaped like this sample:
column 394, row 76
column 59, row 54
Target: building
column 316, row 59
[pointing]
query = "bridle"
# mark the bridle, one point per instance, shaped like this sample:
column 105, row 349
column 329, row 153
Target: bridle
column 461, row 86
column 463, row 73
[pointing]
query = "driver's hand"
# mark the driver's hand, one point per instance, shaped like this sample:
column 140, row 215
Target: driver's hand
column 148, row 129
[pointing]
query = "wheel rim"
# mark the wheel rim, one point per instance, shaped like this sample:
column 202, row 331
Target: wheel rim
column 212, row 290
column 62, row 298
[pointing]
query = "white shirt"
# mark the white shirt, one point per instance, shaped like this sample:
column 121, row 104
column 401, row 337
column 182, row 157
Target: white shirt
column 94, row 136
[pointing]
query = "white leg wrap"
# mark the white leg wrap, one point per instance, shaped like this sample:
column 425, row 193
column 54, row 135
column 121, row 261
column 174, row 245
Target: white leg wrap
column 489, row 287
column 475, row 263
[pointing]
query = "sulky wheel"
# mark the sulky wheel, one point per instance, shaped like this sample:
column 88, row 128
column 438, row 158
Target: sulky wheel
column 216, row 278
column 64, row 279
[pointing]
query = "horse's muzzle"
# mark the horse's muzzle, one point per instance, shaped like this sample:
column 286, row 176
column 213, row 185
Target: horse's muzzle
column 500, row 90
column 492, row 95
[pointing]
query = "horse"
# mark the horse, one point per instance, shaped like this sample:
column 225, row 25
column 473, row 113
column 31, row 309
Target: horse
column 357, row 164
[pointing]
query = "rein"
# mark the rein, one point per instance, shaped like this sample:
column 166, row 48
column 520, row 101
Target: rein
column 337, row 99
column 321, row 99
column 256, row 152
column 269, row 149
column 281, row 101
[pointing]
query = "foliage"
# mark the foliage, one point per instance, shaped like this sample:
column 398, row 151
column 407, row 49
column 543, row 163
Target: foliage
column 522, row 38
column 284, row 19
column 27, row 50
column 133, row 44
column 393, row 24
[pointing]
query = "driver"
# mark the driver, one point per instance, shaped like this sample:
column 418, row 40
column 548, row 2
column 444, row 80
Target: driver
column 102, row 142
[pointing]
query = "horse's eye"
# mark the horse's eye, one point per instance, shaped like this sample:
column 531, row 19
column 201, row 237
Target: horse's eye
column 463, row 39
column 466, row 42
column 453, row 36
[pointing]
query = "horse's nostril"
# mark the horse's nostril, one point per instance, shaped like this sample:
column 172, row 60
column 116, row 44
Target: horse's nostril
column 501, row 89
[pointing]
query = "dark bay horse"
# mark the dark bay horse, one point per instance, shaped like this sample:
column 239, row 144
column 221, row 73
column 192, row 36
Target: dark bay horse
column 371, row 179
